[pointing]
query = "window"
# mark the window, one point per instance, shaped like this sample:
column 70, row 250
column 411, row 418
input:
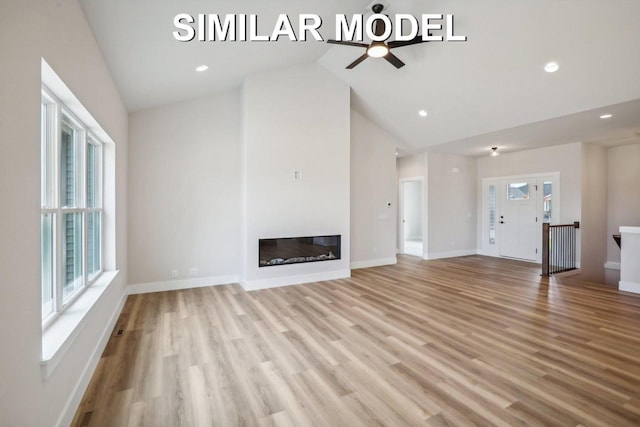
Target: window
column 492, row 214
column 71, row 200
column 546, row 202
column 518, row 191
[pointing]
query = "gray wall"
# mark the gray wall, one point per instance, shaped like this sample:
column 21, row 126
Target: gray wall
column 450, row 201
column 594, row 213
column 452, row 205
column 184, row 181
column 373, row 187
column 623, row 198
column 58, row 32
column 295, row 119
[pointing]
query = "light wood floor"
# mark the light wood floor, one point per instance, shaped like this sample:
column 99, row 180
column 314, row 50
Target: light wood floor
column 466, row 341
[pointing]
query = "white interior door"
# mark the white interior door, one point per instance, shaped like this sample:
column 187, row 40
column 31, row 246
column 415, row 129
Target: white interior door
column 517, row 220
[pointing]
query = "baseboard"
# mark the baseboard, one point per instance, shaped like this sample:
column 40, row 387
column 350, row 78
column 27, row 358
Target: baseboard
column 373, row 263
column 76, row 396
column 629, row 287
column 174, row 285
column 254, row 285
column 452, row 254
column 610, row 265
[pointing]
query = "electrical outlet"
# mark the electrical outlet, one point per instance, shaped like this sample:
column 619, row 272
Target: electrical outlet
column 193, row 272
column 174, row 274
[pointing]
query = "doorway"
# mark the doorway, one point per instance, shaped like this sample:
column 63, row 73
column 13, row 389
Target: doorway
column 411, row 233
column 514, row 209
column 518, row 223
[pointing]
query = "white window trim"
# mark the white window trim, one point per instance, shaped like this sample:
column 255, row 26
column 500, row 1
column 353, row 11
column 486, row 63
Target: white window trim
column 57, row 114
column 58, row 337
column 60, row 334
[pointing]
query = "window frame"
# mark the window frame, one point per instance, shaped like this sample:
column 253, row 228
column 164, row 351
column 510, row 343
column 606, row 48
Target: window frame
column 57, row 114
column 99, row 208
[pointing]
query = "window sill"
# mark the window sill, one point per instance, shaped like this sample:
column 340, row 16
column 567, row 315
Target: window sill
column 58, row 336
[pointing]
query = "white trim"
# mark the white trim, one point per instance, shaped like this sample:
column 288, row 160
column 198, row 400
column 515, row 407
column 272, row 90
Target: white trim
column 373, row 263
column 81, row 386
column 253, row 285
column 629, row 287
column 526, row 175
column 610, row 265
column 61, row 333
column 626, row 229
column 452, row 254
column 174, row 285
column 60, row 90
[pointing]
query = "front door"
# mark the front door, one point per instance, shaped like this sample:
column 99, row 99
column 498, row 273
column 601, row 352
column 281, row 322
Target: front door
column 517, row 221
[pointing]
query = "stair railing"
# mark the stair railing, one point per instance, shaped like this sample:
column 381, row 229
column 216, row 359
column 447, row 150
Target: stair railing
column 559, row 250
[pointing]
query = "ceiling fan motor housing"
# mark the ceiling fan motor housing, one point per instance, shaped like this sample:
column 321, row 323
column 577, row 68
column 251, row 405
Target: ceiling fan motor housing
column 377, row 6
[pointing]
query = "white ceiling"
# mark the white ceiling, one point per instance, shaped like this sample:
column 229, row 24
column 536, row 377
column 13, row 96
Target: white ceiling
column 490, row 90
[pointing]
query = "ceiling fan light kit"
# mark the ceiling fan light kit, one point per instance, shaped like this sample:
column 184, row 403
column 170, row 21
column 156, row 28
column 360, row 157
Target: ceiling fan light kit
column 379, row 28
column 377, row 50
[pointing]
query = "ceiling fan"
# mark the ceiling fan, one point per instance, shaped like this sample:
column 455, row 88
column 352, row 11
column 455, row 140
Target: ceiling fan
column 379, row 49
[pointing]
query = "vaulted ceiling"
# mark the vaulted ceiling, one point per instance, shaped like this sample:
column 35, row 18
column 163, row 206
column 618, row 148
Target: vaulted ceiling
column 490, row 90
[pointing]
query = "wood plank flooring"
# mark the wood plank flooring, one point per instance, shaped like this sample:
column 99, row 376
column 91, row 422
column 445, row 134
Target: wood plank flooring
column 459, row 342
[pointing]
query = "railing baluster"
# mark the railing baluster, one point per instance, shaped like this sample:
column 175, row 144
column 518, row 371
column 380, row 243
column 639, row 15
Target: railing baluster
column 558, row 248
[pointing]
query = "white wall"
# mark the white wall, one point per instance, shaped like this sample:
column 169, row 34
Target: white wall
column 29, row 31
column 184, row 199
column 593, row 227
column 295, row 119
column 623, row 198
column 373, row 193
column 452, row 205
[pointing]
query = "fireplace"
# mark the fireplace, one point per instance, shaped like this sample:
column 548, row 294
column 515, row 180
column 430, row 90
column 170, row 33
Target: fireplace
column 295, row 250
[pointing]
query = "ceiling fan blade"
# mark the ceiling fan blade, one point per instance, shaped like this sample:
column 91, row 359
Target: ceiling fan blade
column 400, row 43
column 348, row 43
column 394, row 60
column 357, row 61
column 379, row 27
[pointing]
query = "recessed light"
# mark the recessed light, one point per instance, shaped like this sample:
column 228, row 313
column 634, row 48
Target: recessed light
column 201, row 68
column 551, row 67
column 422, row 113
column 606, row 116
column 494, row 152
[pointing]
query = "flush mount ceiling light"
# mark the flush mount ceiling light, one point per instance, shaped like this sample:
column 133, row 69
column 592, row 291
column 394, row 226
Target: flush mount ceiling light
column 422, row 113
column 551, row 67
column 201, row 68
column 606, row 116
column 377, row 50
column 494, row 152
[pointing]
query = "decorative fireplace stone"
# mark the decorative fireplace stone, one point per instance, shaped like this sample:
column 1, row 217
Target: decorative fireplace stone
column 295, row 250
